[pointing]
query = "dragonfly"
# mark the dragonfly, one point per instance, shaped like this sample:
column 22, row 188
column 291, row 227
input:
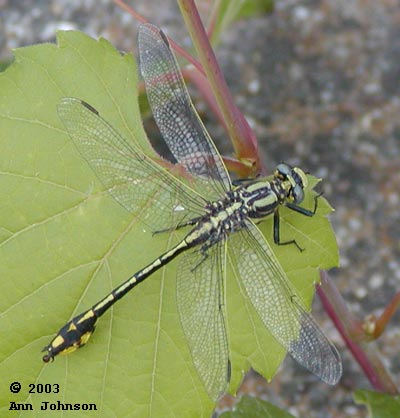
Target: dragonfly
column 219, row 217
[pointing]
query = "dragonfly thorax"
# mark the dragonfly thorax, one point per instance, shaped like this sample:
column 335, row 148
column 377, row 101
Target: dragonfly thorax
column 227, row 212
column 262, row 198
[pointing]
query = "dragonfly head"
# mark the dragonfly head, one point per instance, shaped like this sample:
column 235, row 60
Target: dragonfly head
column 294, row 180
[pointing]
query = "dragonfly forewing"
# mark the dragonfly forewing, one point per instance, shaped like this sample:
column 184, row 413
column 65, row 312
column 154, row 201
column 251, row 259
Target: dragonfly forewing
column 175, row 114
column 135, row 181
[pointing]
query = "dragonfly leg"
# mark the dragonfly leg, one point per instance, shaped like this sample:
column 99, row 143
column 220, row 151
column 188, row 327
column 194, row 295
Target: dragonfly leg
column 204, row 252
column 202, row 259
column 277, row 238
column 304, row 211
column 190, row 222
column 240, row 182
column 298, row 209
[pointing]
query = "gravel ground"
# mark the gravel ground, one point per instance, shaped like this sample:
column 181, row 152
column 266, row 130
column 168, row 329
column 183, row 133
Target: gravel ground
column 319, row 82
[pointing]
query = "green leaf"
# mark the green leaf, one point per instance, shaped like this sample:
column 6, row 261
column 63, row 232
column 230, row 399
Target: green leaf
column 65, row 243
column 249, row 407
column 380, row 405
column 4, row 64
column 230, row 11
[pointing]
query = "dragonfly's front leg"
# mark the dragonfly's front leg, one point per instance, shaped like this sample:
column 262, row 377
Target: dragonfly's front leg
column 298, row 209
column 304, row 211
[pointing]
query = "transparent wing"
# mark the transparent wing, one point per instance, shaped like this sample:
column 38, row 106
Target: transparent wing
column 132, row 178
column 200, row 300
column 280, row 309
column 175, row 114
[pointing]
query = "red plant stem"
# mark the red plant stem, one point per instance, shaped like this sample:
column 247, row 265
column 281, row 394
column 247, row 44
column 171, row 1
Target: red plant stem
column 349, row 328
column 243, row 139
column 387, row 314
column 131, row 11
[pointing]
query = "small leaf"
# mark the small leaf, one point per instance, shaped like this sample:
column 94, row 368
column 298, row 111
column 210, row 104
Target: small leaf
column 249, row 407
column 231, row 11
column 380, row 405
